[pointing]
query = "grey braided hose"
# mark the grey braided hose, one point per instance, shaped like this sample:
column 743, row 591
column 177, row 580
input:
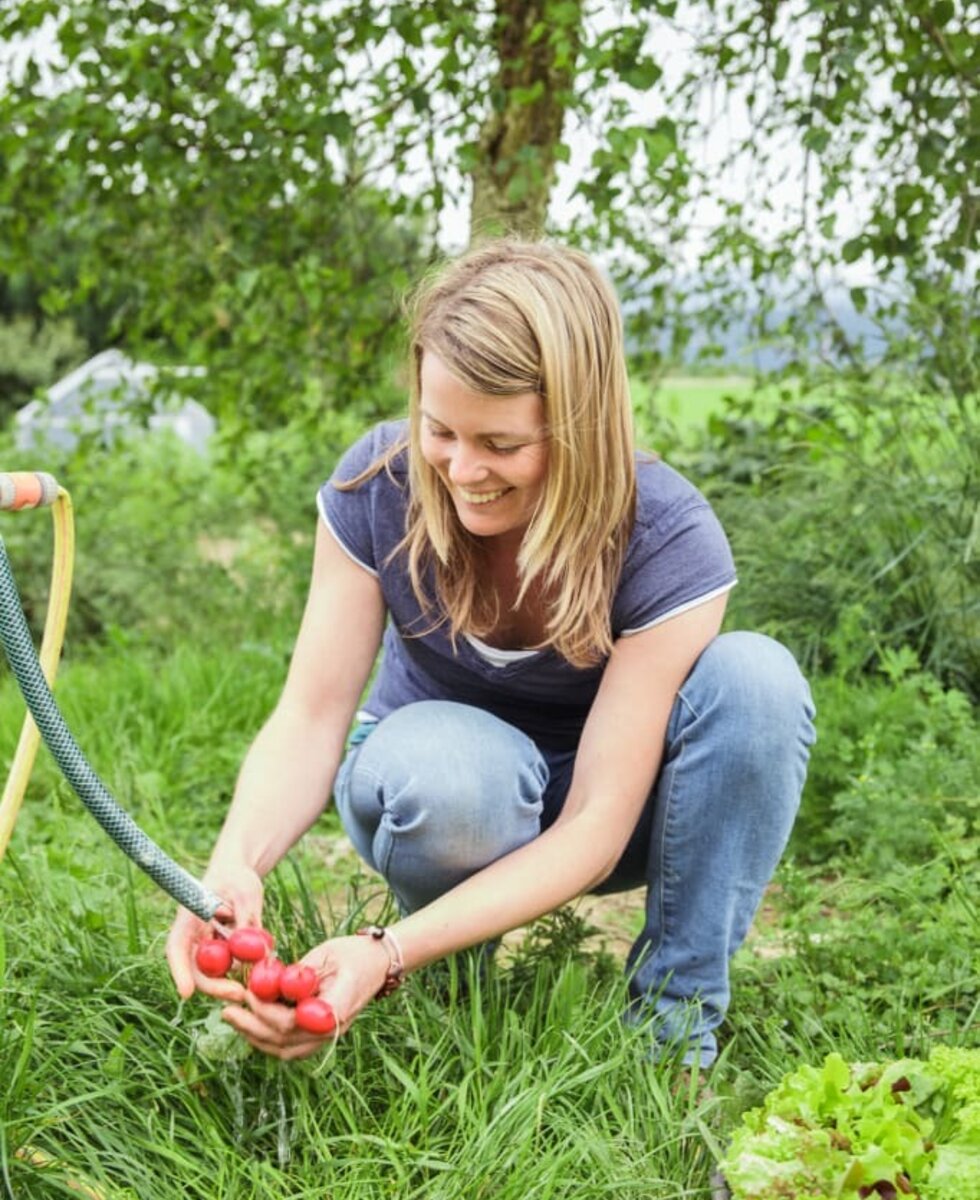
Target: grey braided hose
column 118, row 824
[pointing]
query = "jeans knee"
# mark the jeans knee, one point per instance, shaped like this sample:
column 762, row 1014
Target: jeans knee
column 760, row 702
column 449, row 772
column 754, row 675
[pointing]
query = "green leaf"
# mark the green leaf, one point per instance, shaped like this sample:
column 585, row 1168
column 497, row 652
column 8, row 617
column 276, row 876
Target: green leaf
column 526, row 96
column 642, row 75
column 337, row 124
column 659, row 146
column 816, row 139
column 538, row 31
column 567, row 13
column 906, row 195
column 56, row 300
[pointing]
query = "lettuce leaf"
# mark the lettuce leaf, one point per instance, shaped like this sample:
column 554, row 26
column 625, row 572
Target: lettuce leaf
column 828, row 1132
column 956, row 1173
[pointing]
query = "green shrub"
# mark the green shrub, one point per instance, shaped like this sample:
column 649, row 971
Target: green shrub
column 895, row 772
column 33, row 355
column 885, row 961
column 168, row 541
column 865, row 494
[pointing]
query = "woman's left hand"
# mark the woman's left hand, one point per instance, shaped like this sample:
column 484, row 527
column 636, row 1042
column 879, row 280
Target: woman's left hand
column 351, row 971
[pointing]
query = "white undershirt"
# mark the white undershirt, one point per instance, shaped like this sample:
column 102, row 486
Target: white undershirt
column 494, row 655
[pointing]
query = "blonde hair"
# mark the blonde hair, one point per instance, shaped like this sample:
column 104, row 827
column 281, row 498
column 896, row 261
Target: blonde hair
column 507, row 318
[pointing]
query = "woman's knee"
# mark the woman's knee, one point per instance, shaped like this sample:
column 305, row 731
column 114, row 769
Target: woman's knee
column 450, row 766
column 746, row 716
column 757, row 682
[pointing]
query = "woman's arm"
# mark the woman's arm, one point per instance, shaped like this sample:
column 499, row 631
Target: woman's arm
column 288, row 773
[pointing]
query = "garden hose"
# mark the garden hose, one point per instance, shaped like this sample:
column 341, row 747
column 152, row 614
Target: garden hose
column 22, row 490
column 17, row 492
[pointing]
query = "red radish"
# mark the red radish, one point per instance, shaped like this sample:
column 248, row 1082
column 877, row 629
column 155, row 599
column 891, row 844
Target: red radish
column 315, row 1016
column 263, row 979
column 249, row 945
column 298, row 981
column 270, row 941
column 213, row 957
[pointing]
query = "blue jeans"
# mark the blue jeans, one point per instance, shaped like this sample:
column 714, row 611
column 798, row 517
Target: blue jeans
column 436, row 791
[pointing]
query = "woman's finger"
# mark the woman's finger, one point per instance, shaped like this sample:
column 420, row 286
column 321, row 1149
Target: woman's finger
column 178, row 959
column 293, row 1044
column 184, row 935
column 286, row 1053
column 274, row 1015
column 241, row 891
column 229, row 990
column 237, row 911
column 304, row 1049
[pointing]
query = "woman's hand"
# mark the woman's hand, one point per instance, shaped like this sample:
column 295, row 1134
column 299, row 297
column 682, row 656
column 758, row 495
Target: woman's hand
column 241, row 889
column 351, row 972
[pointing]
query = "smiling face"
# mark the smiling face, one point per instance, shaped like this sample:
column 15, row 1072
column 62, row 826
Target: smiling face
column 490, row 452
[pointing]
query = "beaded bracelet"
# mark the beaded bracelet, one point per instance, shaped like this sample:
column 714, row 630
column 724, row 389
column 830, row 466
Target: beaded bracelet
column 396, row 962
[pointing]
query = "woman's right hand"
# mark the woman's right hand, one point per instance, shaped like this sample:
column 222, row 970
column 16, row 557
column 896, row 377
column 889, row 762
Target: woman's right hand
column 241, row 889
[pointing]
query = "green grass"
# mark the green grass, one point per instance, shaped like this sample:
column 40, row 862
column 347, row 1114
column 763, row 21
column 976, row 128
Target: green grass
column 525, row 1084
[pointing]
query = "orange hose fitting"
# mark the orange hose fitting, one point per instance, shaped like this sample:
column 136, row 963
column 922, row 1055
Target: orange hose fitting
column 27, row 489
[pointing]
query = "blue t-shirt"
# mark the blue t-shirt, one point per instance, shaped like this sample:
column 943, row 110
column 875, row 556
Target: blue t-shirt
column 678, row 557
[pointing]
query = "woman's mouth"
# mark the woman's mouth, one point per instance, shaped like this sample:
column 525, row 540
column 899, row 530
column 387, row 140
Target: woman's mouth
column 482, row 497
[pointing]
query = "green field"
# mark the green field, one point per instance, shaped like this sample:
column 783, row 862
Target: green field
column 688, row 400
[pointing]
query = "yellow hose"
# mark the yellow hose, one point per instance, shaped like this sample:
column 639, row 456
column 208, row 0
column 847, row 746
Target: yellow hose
column 38, row 1158
column 62, row 566
column 24, row 489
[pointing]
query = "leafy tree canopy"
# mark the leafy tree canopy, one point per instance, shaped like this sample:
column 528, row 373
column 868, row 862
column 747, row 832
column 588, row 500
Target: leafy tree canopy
column 250, row 186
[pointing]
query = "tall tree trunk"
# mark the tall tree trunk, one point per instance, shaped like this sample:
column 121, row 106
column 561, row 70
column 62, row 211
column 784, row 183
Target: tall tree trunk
column 536, row 42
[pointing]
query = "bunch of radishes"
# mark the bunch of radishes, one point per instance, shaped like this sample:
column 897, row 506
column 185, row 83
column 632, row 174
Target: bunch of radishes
column 269, row 978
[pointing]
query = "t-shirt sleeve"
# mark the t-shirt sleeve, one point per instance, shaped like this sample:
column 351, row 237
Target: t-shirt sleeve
column 676, row 564
column 351, row 515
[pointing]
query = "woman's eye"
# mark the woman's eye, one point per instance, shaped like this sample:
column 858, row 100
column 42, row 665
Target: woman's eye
column 502, row 449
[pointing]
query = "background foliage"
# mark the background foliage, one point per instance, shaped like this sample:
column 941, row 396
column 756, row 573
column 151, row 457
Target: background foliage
column 250, row 188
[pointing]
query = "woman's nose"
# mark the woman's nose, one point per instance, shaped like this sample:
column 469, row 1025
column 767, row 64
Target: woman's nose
column 466, row 465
